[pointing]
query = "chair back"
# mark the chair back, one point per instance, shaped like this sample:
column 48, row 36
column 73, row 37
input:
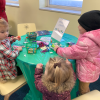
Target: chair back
column 92, row 95
column 23, row 28
column 12, row 85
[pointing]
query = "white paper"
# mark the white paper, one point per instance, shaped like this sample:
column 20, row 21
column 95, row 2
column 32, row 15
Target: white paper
column 60, row 29
column 46, row 39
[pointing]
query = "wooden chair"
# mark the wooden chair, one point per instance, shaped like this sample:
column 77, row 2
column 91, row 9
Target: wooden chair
column 23, row 28
column 11, row 86
column 92, row 95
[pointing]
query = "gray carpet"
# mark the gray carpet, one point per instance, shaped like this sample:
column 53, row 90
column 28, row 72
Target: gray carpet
column 95, row 85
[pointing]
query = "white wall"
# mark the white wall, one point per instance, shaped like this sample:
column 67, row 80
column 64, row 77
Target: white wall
column 29, row 12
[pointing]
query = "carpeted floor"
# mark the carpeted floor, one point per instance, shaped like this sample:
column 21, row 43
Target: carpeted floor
column 20, row 94
column 95, row 85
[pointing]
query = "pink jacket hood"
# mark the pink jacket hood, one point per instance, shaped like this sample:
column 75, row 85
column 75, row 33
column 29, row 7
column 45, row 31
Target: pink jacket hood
column 93, row 35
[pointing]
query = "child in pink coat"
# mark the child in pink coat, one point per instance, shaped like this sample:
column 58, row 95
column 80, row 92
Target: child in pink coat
column 86, row 51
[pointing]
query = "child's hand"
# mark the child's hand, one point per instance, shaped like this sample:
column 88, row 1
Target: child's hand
column 68, row 62
column 55, row 48
column 17, row 38
column 19, row 48
column 39, row 66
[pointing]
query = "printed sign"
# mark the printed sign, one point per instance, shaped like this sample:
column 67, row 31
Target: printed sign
column 59, row 29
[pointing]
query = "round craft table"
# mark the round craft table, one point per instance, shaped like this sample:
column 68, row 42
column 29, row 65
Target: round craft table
column 27, row 63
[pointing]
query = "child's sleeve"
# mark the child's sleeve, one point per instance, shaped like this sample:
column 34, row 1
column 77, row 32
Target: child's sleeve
column 8, row 53
column 73, row 52
column 38, row 82
column 11, row 39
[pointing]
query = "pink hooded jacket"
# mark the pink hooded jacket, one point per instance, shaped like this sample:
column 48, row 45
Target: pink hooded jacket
column 87, row 55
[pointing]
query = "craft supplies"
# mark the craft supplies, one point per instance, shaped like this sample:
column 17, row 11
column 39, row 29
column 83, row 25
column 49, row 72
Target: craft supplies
column 15, row 47
column 44, row 49
column 69, row 44
column 17, row 44
column 51, row 40
column 43, row 32
column 42, row 44
column 52, row 45
column 32, row 35
column 31, row 47
column 46, row 40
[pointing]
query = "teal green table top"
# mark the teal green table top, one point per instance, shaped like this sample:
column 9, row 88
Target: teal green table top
column 41, row 57
column 27, row 63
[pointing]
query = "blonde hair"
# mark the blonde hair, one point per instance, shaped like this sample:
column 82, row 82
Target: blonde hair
column 3, row 22
column 58, row 71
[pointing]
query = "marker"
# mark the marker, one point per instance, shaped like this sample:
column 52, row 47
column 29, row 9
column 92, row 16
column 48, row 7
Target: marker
column 51, row 40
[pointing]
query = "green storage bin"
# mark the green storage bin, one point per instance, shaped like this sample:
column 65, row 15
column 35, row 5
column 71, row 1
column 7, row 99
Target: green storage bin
column 32, row 35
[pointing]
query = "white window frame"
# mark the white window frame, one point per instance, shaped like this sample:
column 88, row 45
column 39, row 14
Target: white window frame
column 12, row 3
column 63, row 7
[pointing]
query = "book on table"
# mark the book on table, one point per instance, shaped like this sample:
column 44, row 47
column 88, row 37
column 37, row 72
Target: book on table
column 43, row 32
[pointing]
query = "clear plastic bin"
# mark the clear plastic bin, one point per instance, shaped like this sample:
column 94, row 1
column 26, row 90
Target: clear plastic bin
column 31, row 47
column 32, row 35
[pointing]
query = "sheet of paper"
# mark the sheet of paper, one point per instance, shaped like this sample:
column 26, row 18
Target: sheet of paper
column 59, row 29
column 46, row 39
